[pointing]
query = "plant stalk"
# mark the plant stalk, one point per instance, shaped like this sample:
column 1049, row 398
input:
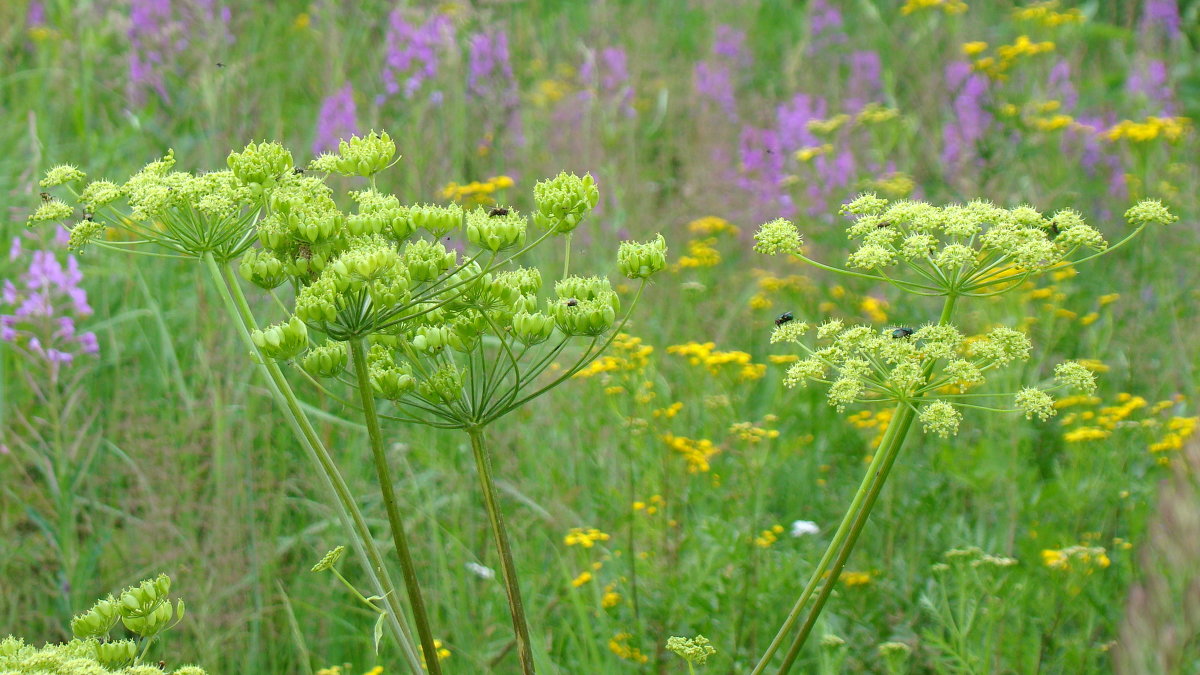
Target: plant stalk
column 483, row 464
column 347, row 509
column 358, row 353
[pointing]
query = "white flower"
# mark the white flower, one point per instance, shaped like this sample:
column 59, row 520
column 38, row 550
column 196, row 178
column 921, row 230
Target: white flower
column 803, row 527
column 481, row 571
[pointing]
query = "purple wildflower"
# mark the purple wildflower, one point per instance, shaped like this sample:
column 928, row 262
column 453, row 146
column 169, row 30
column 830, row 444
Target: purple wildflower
column 44, row 306
column 824, row 25
column 1162, row 14
column 337, row 120
column 36, row 14
column 1060, row 85
column 607, row 74
column 491, row 83
column 761, row 162
column 970, row 120
column 1149, row 79
column 865, row 70
column 413, row 54
column 712, row 78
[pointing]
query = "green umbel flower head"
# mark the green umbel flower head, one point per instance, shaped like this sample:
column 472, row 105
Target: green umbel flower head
column 563, row 201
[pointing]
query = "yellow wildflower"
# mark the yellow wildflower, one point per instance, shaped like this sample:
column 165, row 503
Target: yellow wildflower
column 586, row 538
column 974, row 48
column 619, row 645
column 584, row 577
column 710, row 225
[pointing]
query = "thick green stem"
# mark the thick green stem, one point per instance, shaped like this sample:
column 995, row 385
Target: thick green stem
column 483, row 463
column 347, row 509
column 851, row 527
column 901, row 423
column 358, row 353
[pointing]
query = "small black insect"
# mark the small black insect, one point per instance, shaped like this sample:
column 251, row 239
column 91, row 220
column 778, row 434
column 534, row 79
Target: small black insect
column 220, row 65
column 45, row 196
column 298, row 171
column 498, row 211
column 902, row 332
column 88, row 217
column 572, row 302
column 783, row 318
column 162, row 665
column 1054, row 231
column 882, row 225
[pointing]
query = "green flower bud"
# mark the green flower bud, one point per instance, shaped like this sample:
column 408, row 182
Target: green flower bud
column 586, row 288
column 84, row 233
column 52, row 211
column 329, row 559
column 282, row 341
column 260, row 165
column 437, row 220
column 392, row 382
column 778, row 236
column 941, row 418
column 317, row 302
column 1149, row 211
column 590, row 317
column 1076, row 376
column 640, row 261
column 532, row 328
column 427, row 260
column 1035, row 402
column 100, row 193
column 360, row 156
column 116, row 654
column 153, row 622
column 360, row 224
column 495, row 232
column 444, row 385
column 525, row 279
column 63, row 173
column 316, row 227
column 563, row 201
column 97, row 621
column 328, row 360
column 693, row 650
column 262, row 268
column 431, row 339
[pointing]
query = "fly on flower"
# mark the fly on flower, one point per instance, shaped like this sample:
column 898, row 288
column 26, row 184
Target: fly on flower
column 497, row 212
column 783, row 318
column 902, row 332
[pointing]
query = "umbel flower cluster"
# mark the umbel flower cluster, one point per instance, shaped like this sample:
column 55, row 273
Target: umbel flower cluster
column 145, row 610
column 380, row 271
column 862, row 365
column 954, row 251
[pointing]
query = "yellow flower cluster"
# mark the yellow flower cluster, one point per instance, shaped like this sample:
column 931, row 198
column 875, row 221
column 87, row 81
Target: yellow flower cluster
column 768, row 537
column 868, row 420
column 707, row 355
column 854, row 579
column 439, row 649
column 651, row 506
column 1170, row 129
column 895, row 185
column 697, row 452
column 611, row 598
column 710, row 225
column 768, row 284
column 668, row 412
column 627, row 355
column 619, row 645
column 827, row 127
column 700, row 253
column 586, row 538
column 584, row 577
column 550, row 91
column 1179, row 429
column 876, row 113
column 947, row 6
column 997, row 67
column 752, row 433
column 1086, row 558
column 873, row 308
column 476, row 192
column 1047, row 14
column 807, row 154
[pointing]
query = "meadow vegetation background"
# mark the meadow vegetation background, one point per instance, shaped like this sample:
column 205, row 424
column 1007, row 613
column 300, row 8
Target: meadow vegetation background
column 676, row 487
